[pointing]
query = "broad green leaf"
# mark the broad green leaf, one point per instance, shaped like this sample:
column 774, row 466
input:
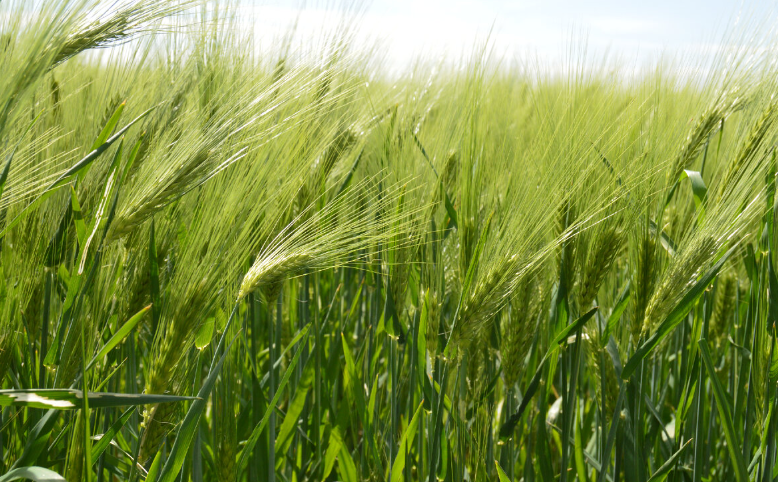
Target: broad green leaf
column 109, row 126
column 205, row 333
column 117, row 338
column 38, row 439
column 333, row 450
column 351, row 381
column 100, row 213
column 699, row 189
column 346, row 467
column 132, row 158
column 501, row 473
column 578, row 447
column 36, row 474
column 399, row 461
column 78, row 217
column 664, row 239
column 69, row 398
column 156, row 467
column 105, row 439
column 293, row 411
column 661, row 473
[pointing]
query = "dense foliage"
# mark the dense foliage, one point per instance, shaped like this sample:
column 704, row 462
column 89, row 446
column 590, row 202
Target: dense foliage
column 220, row 265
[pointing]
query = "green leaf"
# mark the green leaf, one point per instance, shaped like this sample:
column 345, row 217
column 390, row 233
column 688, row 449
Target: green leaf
column 450, row 210
column 36, row 474
column 501, row 473
column 69, row 398
column 132, row 158
column 725, row 415
column 675, row 316
column 333, row 449
column 156, row 466
column 346, row 467
column 37, row 439
column 78, row 217
column 661, row 473
column 399, row 461
column 578, row 446
column 105, row 440
column 186, row 433
column 664, row 239
column 293, row 411
column 699, row 189
column 205, row 333
column 352, row 382
column 109, row 126
column 100, row 213
column 118, row 336
column 562, row 336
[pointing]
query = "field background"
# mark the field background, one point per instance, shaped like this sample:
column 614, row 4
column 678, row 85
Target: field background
column 220, row 265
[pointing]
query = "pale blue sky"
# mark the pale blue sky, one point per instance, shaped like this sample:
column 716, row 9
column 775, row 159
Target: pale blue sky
column 635, row 31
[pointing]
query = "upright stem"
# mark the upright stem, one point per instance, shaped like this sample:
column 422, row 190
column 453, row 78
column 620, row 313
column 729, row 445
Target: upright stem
column 274, row 334
column 45, row 329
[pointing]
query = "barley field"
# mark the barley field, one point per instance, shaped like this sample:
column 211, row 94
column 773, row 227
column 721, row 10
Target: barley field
column 218, row 265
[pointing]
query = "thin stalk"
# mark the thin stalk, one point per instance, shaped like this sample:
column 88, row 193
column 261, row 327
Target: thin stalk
column 45, row 329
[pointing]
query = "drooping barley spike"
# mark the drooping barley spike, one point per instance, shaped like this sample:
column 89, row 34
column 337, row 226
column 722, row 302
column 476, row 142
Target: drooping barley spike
column 194, row 169
column 518, row 327
column 749, row 149
column 566, row 253
column 644, row 279
column 269, row 273
column 603, row 250
column 706, row 124
column 764, row 357
column 723, row 310
column 432, row 311
column 491, row 293
column 158, row 422
column 604, row 374
column 684, row 270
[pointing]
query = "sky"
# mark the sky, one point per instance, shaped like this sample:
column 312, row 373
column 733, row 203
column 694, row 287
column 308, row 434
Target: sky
column 633, row 31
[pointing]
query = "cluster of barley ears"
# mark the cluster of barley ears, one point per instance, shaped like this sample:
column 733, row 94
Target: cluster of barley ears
column 218, row 264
